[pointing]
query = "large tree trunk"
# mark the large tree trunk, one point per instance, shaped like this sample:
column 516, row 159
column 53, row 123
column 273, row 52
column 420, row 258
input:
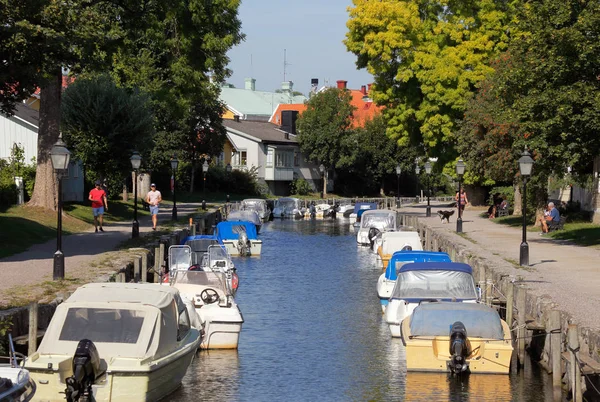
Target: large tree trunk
column 45, row 189
column 518, row 207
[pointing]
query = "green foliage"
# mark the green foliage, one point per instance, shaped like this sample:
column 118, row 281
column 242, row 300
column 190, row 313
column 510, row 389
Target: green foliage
column 300, row 187
column 5, row 327
column 324, row 129
column 506, row 192
column 235, row 182
column 15, row 166
column 103, row 124
column 426, row 58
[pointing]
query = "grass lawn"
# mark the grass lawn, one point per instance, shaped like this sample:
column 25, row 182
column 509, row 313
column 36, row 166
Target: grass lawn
column 580, row 233
column 118, row 211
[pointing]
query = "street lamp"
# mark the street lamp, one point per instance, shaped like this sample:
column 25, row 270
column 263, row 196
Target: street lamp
column 525, row 166
column 59, row 156
column 460, row 170
column 398, row 171
column 322, row 170
column 204, row 170
column 428, row 171
column 417, row 171
column 174, row 164
column 136, row 161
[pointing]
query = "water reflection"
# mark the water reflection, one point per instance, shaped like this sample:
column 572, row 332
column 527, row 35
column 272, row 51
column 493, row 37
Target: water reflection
column 314, row 331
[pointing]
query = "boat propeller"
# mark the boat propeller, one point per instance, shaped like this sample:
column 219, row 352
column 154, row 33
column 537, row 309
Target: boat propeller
column 458, row 349
column 86, row 369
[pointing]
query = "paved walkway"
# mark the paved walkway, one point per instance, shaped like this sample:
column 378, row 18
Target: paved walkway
column 82, row 252
column 567, row 273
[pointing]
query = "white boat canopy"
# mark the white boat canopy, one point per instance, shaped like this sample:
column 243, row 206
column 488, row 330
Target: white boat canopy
column 380, row 219
column 433, row 284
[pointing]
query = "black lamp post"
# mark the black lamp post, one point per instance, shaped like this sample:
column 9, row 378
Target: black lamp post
column 428, row 171
column 322, row 170
column 59, row 155
column 136, row 161
column 398, row 171
column 525, row 166
column 460, row 170
column 417, row 172
column 174, row 164
column 204, row 170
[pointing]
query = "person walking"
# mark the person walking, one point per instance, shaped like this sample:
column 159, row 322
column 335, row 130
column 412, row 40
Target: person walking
column 99, row 203
column 153, row 199
column 463, row 199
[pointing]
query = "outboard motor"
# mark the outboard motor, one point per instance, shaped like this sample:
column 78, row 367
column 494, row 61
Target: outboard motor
column 312, row 210
column 243, row 245
column 373, row 232
column 86, row 369
column 334, row 210
column 458, row 349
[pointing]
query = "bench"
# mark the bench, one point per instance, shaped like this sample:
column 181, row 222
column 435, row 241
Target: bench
column 560, row 225
column 145, row 205
column 502, row 212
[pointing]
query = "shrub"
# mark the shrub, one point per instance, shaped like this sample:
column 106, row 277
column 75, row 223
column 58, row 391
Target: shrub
column 506, row 192
column 300, row 187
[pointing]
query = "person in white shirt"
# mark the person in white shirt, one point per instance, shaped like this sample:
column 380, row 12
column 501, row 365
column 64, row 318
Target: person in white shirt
column 153, row 199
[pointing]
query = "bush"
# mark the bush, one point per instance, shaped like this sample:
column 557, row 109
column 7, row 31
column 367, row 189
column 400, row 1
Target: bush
column 506, row 192
column 300, row 187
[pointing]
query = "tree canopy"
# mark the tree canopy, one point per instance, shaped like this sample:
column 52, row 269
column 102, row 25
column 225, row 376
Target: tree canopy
column 426, row 58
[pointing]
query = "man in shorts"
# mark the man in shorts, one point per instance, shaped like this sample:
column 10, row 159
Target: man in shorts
column 99, row 202
column 153, row 199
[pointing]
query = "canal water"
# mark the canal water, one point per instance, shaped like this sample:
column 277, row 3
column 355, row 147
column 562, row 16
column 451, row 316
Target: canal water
column 314, row 331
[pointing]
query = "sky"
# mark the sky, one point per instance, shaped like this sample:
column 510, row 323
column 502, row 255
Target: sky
column 310, row 31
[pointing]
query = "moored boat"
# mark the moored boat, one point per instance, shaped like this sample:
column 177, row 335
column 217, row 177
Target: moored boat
column 239, row 238
column 457, row 338
column 387, row 280
column 356, row 213
column 387, row 243
column 15, row 382
column 288, row 207
column 115, row 342
column 426, row 281
column 379, row 219
column 248, row 215
column 259, row 205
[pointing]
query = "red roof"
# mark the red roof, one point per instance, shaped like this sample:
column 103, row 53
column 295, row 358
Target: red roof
column 276, row 116
column 66, row 81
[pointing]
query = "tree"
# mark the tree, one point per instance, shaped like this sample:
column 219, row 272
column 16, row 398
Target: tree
column 103, row 124
column 325, row 128
column 426, row 58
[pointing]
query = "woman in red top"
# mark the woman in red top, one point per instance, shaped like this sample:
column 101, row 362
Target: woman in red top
column 99, row 202
column 463, row 199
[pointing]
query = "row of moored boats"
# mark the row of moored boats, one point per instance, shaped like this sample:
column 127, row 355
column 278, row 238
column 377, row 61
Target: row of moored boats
column 431, row 302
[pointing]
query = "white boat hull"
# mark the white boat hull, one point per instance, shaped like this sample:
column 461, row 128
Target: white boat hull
column 23, row 387
column 221, row 334
column 231, row 247
column 384, row 290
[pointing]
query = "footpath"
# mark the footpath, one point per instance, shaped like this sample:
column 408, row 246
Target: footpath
column 85, row 256
column 566, row 273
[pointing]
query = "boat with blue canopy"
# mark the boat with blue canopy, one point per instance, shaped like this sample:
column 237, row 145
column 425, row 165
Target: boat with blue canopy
column 457, row 337
column 361, row 206
column 387, row 280
column 427, row 281
column 239, row 238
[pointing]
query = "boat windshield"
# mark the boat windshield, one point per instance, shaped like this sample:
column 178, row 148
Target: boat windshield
column 102, row 325
column 180, row 257
column 211, row 279
column 217, row 259
column 249, row 215
column 257, row 206
column 286, row 204
column 381, row 222
column 434, row 285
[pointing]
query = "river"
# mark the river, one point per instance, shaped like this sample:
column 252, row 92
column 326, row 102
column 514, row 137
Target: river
column 314, row 331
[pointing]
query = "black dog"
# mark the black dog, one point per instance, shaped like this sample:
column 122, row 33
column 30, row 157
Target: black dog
column 445, row 215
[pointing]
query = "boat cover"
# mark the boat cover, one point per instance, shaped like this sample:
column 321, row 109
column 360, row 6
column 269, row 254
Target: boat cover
column 404, row 238
column 415, row 286
column 248, row 215
column 359, row 206
column 436, row 319
column 200, row 243
column 231, row 230
column 436, row 265
column 287, row 203
column 380, row 219
column 255, row 204
column 404, row 257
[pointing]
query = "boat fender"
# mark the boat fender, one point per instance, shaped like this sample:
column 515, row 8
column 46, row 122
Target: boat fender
column 458, row 348
column 235, row 281
column 86, row 369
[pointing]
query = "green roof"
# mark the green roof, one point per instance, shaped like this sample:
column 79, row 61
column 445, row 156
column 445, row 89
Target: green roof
column 250, row 102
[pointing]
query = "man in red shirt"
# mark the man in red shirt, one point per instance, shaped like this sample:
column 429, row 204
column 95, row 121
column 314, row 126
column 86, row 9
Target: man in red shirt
column 99, row 201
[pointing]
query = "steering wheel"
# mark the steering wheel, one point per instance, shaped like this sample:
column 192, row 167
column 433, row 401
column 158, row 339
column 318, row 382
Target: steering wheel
column 209, row 296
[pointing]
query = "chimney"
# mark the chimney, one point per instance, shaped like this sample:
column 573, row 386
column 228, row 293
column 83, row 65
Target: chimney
column 287, row 86
column 250, row 84
column 369, row 88
column 236, row 118
column 363, row 89
column 288, row 121
column 341, row 84
column 314, row 85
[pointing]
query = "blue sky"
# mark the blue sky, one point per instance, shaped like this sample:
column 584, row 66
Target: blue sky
column 311, row 31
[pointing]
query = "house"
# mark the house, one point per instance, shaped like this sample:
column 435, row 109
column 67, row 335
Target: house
column 274, row 153
column 22, row 128
column 250, row 104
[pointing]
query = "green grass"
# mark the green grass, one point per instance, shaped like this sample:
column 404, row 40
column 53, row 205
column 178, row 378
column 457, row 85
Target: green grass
column 118, row 211
column 24, row 226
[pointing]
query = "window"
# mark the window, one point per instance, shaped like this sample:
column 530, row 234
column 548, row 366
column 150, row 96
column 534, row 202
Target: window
column 102, row 325
column 296, row 158
column 243, row 158
column 270, row 153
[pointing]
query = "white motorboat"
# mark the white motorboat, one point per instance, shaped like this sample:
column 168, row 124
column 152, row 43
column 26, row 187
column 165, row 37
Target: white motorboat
column 288, row 207
column 239, row 238
column 258, row 205
column 387, row 280
column 357, row 211
column 220, row 318
column 387, row 243
column 248, row 216
column 426, row 281
column 318, row 211
column 15, row 382
column 115, row 342
column 378, row 219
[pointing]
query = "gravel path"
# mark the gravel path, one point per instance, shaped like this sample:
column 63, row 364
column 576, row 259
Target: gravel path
column 85, row 253
column 568, row 274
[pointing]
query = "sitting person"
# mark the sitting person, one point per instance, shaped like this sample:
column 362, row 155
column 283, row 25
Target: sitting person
column 551, row 216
